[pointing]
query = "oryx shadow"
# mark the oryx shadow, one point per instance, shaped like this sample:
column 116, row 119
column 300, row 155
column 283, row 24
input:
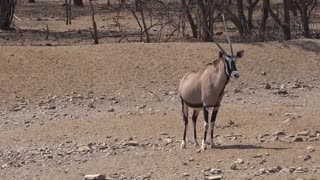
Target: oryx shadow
column 247, row 146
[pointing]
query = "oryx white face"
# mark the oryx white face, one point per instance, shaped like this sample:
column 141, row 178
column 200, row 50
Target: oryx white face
column 230, row 63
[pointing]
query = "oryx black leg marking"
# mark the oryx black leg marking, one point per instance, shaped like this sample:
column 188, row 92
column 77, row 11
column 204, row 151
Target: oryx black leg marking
column 206, row 119
column 185, row 119
column 213, row 120
column 194, row 120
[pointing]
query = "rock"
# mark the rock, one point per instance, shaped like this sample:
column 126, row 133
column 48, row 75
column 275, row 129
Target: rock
column 279, row 133
column 301, row 170
column 131, row 143
column 310, row 148
column 306, row 158
column 274, row 169
column 110, row 110
column 257, row 156
column 239, row 161
column 185, row 174
column 215, row 171
column 217, row 177
column 84, row 149
column 298, row 139
column 168, row 140
column 262, row 171
column 233, row 167
column 267, row 86
column 142, row 106
column 304, row 133
column 95, row 177
column 263, row 73
column 163, row 133
column 191, row 159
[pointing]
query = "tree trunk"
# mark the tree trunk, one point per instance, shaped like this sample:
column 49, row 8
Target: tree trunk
column 286, row 23
column 31, row 1
column 241, row 15
column 264, row 18
column 7, row 8
column 78, row 3
column 251, row 7
column 305, row 23
column 187, row 10
column 138, row 5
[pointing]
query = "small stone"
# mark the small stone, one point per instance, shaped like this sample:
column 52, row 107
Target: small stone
column 279, row 133
column 185, row 174
column 95, row 177
column 142, row 106
column 306, row 158
column 215, row 171
column 168, row 140
column 298, row 139
column 304, row 133
column 233, row 167
column 110, row 110
column 267, row 86
column 257, row 156
column 163, row 133
column 191, row 159
column 262, row 171
column 131, row 143
column 263, row 73
column 239, row 161
column 301, row 170
column 274, row 169
column 217, row 177
column 310, row 148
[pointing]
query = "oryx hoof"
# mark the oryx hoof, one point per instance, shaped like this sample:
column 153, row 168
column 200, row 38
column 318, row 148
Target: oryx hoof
column 183, row 145
column 204, row 146
column 196, row 144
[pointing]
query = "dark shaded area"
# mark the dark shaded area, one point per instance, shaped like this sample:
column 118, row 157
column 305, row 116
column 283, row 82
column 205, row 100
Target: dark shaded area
column 308, row 45
column 247, row 146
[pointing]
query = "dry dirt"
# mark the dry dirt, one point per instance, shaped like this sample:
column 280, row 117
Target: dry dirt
column 70, row 111
column 73, row 108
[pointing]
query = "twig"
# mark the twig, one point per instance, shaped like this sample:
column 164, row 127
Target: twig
column 154, row 94
column 47, row 36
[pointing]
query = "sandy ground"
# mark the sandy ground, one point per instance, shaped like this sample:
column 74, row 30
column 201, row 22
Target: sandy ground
column 114, row 109
column 69, row 108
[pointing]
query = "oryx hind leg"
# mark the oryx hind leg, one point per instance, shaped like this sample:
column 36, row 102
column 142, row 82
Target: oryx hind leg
column 185, row 120
column 194, row 120
column 206, row 125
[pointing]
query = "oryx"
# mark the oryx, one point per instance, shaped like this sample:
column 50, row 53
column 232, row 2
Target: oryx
column 204, row 90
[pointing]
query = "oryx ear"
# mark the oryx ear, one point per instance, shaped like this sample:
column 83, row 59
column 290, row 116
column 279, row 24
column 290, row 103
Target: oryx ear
column 240, row 54
column 220, row 54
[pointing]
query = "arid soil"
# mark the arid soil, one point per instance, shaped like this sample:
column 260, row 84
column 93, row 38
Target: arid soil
column 113, row 109
column 69, row 108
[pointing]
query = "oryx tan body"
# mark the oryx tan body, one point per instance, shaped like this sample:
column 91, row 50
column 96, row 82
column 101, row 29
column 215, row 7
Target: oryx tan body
column 204, row 88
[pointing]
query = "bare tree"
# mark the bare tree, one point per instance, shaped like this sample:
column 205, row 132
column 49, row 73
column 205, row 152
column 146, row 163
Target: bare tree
column 78, row 3
column 251, row 6
column 7, row 8
column 305, row 8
